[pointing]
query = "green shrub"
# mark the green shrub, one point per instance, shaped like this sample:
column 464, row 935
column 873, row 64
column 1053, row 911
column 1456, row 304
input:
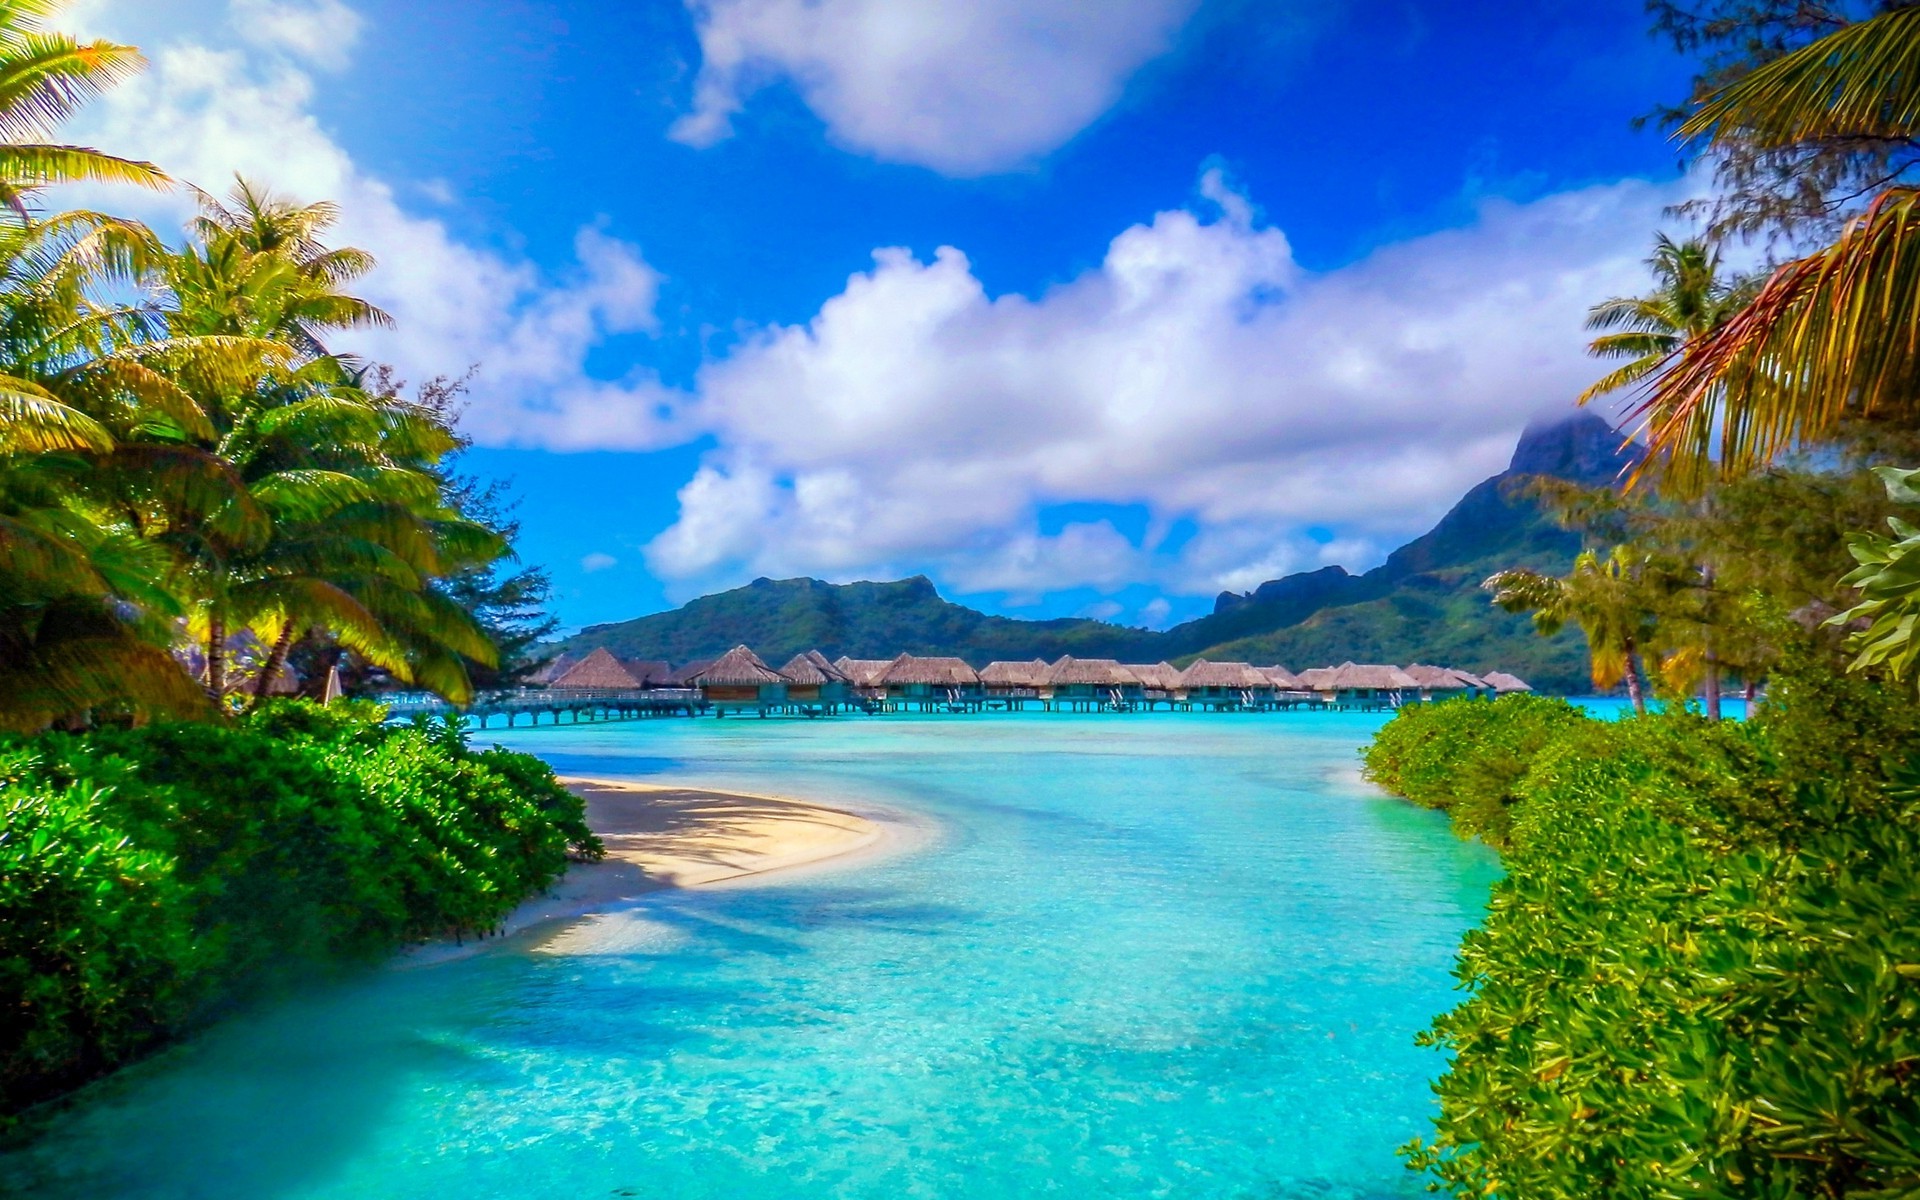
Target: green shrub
column 1700, row 975
column 150, row 877
column 1465, row 756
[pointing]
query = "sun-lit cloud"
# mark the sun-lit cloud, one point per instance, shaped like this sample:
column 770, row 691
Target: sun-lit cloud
column 966, row 87
column 1197, row 371
column 230, row 90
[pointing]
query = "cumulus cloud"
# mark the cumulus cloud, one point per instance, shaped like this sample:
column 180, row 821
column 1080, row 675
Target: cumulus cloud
column 212, row 105
column 1197, row 371
column 963, row 86
column 598, row 561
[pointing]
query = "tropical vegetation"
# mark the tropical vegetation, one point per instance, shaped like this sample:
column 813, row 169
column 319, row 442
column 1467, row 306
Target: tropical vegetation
column 200, row 486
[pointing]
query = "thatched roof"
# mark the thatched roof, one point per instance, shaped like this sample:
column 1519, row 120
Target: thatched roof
column 1160, row 676
column 940, row 672
column 1500, row 681
column 553, row 668
column 738, row 667
column 1282, row 678
column 1315, row 678
column 651, row 672
column 1438, row 679
column 826, row 668
column 863, row 672
column 1469, row 679
column 599, row 670
column 1099, row 672
column 1360, row 676
column 684, row 676
column 1015, row 674
column 1204, row 674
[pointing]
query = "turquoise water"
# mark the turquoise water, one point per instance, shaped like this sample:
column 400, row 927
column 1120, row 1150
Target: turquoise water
column 1168, row 955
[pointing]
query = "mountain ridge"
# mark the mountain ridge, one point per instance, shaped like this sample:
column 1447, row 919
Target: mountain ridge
column 1423, row 603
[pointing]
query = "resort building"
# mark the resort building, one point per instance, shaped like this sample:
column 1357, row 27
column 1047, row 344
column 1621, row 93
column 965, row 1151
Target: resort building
column 599, row 671
column 552, row 669
column 1223, row 685
column 1011, row 684
column 1366, row 686
column 1502, row 683
column 683, row 678
column 864, row 676
column 1441, row 683
column 1091, row 684
column 651, row 672
column 932, row 684
column 1159, row 683
column 813, row 683
column 738, row 681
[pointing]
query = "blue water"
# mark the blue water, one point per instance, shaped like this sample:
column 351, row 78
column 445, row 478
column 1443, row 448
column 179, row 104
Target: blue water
column 1169, row 955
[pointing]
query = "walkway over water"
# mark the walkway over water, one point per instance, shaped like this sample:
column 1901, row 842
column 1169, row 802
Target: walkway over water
column 582, row 704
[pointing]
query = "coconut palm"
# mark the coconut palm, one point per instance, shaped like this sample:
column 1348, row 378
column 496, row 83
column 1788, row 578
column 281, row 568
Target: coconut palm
column 1608, row 598
column 44, row 78
column 1690, row 299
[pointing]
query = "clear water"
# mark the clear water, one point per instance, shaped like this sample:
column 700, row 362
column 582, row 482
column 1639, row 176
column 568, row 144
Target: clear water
column 1168, row 955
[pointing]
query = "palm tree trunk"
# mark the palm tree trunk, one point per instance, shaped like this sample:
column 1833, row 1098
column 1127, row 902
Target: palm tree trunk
column 216, row 658
column 275, row 659
column 1636, row 688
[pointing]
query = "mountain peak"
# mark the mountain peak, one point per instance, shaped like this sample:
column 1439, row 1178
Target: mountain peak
column 1583, row 447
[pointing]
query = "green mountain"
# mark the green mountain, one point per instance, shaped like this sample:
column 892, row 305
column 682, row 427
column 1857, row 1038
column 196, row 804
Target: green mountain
column 1423, row 604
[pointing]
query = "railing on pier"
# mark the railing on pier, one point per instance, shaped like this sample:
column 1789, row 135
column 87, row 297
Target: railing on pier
column 580, row 703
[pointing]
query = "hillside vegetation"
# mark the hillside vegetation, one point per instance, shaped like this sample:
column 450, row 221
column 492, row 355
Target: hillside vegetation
column 1423, row 604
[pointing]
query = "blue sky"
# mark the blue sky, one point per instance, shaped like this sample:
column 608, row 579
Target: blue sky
column 1074, row 308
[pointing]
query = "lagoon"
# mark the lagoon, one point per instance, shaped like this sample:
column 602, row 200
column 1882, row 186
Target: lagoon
column 1169, row 955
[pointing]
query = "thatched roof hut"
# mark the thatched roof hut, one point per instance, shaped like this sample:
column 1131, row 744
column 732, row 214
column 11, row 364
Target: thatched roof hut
column 1015, row 674
column 684, row 676
column 600, row 671
column 863, row 672
column 553, row 668
column 811, row 669
column 1438, row 679
column 908, row 670
column 1315, row 678
column 738, row 667
column 1236, row 676
column 1282, row 678
column 1090, row 672
column 1160, row 676
column 1502, row 682
column 651, row 672
column 1368, row 677
column 1469, row 679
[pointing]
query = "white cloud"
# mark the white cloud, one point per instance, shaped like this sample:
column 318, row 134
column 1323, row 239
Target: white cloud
column 964, row 86
column 1197, row 371
column 210, row 106
column 598, row 561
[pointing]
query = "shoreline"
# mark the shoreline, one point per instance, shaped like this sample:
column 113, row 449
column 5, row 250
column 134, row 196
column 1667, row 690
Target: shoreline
column 663, row 836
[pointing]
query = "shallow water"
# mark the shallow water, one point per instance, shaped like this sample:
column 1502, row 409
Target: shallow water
column 1167, row 955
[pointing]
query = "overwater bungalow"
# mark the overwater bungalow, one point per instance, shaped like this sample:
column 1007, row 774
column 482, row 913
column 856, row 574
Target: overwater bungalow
column 651, row 672
column 1011, row 685
column 1090, row 685
column 932, row 684
column 599, row 671
column 683, row 677
column 552, row 669
column 738, row 681
column 1502, row 683
column 816, row 685
column 1440, row 683
column 1288, row 691
column 1160, row 683
column 864, row 674
column 1366, row 686
column 1223, row 685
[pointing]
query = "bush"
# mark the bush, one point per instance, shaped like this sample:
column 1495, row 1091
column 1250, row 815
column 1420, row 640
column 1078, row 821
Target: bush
column 1465, row 756
column 151, row 877
column 1700, row 975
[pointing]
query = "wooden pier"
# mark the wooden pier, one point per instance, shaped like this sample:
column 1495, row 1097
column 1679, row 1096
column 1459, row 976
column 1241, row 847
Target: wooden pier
column 580, row 706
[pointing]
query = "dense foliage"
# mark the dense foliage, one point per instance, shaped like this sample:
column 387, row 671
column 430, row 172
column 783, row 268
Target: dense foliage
column 1698, row 976
column 150, row 877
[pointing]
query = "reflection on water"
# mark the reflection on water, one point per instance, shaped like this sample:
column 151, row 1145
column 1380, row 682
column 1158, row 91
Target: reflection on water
column 1145, row 956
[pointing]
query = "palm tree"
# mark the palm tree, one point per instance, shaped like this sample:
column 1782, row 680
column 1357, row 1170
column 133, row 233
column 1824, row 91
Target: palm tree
column 1690, row 299
column 44, row 78
column 1606, row 597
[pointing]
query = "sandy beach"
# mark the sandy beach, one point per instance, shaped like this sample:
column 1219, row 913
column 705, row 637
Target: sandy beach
column 673, row 836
